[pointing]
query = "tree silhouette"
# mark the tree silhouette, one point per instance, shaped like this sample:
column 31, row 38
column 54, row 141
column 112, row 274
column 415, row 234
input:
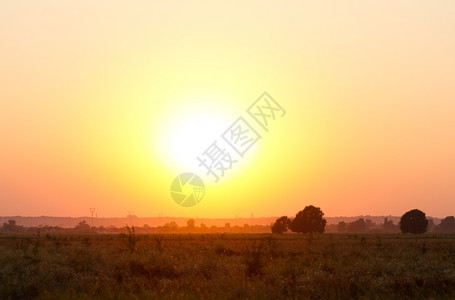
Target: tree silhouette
column 388, row 226
column 191, row 223
column 82, row 226
column 447, row 225
column 341, row 227
column 414, row 221
column 172, row 225
column 309, row 220
column 281, row 225
column 357, row 226
column 11, row 226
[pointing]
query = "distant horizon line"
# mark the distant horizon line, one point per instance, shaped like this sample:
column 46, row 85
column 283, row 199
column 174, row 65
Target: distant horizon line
column 186, row 217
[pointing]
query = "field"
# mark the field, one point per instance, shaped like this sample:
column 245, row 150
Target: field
column 227, row 266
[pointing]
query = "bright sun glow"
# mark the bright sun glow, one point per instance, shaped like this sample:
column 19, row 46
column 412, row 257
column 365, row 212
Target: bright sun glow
column 188, row 132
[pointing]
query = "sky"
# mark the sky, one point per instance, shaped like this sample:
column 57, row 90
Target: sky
column 104, row 103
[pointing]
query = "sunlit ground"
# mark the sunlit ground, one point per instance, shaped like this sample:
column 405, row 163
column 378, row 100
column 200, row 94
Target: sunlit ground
column 223, row 266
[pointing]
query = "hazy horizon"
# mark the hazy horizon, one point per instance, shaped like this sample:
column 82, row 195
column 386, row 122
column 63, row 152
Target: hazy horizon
column 204, row 217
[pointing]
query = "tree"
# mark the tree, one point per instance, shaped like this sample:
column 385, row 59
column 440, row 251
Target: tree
column 281, row 225
column 388, row 226
column 172, row 225
column 414, row 221
column 357, row 226
column 369, row 224
column 11, row 226
column 309, row 220
column 341, row 227
column 447, row 225
column 82, row 226
column 191, row 223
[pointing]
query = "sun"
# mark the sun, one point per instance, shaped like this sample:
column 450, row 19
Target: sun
column 187, row 130
column 189, row 136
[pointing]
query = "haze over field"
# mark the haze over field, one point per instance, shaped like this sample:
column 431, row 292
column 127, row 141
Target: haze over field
column 66, row 222
column 103, row 104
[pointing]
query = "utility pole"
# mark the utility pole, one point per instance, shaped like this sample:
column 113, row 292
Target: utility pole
column 92, row 210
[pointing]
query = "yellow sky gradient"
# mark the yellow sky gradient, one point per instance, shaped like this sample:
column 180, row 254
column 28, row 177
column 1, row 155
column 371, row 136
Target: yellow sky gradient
column 98, row 102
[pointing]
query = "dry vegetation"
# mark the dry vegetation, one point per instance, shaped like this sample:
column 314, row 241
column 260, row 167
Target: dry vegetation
column 226, row 266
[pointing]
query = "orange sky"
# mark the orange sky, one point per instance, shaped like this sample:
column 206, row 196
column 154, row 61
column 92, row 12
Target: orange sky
column 103, row 104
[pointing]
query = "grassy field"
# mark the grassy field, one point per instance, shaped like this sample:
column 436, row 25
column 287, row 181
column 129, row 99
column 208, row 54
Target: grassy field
column 227, row 266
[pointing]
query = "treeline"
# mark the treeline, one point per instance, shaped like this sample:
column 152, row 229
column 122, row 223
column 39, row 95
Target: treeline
column 310, row 220
column 365, row 226
column 361, row 225
column 170, row 228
